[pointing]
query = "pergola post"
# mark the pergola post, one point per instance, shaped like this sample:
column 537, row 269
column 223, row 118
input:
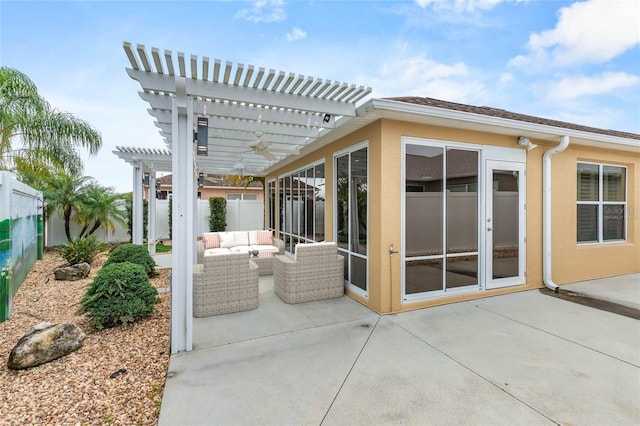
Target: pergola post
column 136, row 205
column 182, row 216
column 151, row 222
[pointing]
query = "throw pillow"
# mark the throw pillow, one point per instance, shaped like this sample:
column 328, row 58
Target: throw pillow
column 227, row 239
column 265, row 238
column 211, row 240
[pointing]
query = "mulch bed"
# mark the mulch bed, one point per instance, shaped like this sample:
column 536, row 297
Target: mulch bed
column 81, row 388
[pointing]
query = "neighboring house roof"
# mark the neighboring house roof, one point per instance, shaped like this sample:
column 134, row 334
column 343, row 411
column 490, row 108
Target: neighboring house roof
column 501, row 113
column 213, row 180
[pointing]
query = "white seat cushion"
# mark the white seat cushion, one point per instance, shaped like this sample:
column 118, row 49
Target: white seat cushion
column 271, row 249
column 240, row 249
column 216, row 251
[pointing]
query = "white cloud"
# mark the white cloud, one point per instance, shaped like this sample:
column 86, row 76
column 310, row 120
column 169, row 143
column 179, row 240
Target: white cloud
column 264, row 11
column 417, row 75
column 460, row 5
column 577, row 86
column 296, row 34
column 594, row 31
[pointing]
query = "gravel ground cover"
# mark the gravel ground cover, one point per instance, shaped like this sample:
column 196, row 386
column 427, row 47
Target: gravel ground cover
column 89, row 386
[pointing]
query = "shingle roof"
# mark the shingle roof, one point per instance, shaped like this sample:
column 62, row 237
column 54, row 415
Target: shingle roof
column 500, row 113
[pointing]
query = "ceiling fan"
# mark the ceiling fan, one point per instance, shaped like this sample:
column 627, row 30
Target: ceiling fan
column 264, row 149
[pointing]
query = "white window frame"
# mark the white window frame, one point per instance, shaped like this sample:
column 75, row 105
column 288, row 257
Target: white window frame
column 600, row 203
column 242, row 196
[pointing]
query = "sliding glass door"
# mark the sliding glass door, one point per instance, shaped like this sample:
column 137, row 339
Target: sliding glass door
column 441, row 213
column 464, row 218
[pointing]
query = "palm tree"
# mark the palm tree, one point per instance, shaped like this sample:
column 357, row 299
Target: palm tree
column 65, row 192
column 44, row 134
column 100, row 206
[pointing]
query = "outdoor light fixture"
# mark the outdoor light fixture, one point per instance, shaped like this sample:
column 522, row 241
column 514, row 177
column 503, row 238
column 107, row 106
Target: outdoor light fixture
column 202, row 136
column 145, row 179
column 526, row 143
column 158, row 186
column 326, row 119
column 200, row 179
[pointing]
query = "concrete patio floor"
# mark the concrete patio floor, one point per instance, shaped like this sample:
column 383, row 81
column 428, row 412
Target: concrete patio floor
column 523, row 358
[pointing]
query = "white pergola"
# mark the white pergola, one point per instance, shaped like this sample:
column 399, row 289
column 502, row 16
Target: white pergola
column 255, row 120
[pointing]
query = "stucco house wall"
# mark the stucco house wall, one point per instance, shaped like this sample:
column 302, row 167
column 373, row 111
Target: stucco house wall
column 571, row 261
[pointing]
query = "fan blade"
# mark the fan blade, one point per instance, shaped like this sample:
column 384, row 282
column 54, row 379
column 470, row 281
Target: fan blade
column 269, row 156
column 285, row 151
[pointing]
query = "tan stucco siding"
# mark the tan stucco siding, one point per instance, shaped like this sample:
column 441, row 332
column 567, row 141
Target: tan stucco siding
column 577, row 262
column 571, row 262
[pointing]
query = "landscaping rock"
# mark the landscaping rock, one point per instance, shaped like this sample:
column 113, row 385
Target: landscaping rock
column 43, row 343
column 73, row 272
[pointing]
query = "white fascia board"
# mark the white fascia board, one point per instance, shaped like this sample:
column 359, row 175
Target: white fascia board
column 378, row 107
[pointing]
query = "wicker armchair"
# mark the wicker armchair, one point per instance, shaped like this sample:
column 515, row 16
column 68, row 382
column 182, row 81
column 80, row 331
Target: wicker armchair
column 316, row 273
column 223, row 284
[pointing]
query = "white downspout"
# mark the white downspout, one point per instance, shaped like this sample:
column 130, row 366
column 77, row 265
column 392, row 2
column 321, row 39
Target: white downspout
column 546, row 215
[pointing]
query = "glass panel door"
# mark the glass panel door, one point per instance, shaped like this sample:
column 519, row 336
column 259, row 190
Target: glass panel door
column 441, row 209
column 352, row 216
column 505, row 220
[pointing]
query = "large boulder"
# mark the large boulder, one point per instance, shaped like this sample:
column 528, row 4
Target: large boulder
column 43, row 343
column 73, row 272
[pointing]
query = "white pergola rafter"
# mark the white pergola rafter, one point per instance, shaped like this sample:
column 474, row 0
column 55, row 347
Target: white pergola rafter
column 256, row 118
column 287, row 110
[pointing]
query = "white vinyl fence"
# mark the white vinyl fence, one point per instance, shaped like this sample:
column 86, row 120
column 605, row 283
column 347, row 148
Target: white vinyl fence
column 242, row 215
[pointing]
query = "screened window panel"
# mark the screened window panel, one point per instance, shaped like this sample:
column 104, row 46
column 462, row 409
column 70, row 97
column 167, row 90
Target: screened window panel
column 424, row 205
column 588, row 182
column 613, row 220
column 587, row 223
column 319, row 205
column 613, row 183
column 343, row 201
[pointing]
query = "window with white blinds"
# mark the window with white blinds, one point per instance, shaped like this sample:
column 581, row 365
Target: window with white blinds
column 602, row 203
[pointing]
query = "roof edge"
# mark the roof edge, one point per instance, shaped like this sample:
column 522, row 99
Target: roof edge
column 380, row 105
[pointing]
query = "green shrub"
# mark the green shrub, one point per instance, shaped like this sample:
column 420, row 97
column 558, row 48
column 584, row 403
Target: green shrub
column 134, row 253
column 119, row 294
column 218, row 214
column 81, row 250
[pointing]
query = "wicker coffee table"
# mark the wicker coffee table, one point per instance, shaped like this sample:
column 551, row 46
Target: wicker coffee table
column 264, row 260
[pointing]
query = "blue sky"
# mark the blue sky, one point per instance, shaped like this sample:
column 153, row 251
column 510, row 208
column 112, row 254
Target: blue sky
column 566, row 60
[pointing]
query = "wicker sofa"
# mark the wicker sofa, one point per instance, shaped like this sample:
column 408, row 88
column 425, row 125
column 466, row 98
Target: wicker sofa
column 315, row 273
column 224, row 284
column 215, row 243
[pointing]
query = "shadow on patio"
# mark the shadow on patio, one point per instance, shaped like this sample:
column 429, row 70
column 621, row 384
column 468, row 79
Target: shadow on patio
column 274, row 317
